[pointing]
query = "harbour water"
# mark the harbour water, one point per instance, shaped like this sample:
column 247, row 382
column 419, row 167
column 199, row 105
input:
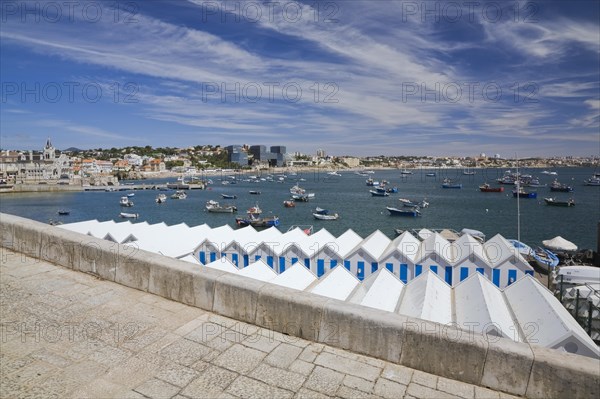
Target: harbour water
column 348, row 195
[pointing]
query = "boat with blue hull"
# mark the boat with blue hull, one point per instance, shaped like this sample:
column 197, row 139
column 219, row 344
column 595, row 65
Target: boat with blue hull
column 414, row 212
column 255, row 221
column 379, row 193
column 524, row 194
column 451, row 184
column 544, row 258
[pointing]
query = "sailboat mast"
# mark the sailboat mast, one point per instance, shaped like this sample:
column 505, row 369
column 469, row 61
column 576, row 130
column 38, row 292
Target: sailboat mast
column 518, row 202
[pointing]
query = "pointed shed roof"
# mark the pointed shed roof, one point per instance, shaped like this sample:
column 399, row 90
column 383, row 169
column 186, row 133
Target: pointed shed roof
column 258, row 270
column 438, row 245
column 381, row 290
column 297, row 277
column 427, row 297
column 406, row 244
column 480, row 304
column 338, row 283
column 347, row 242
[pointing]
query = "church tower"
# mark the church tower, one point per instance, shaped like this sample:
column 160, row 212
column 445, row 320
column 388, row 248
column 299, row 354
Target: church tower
column 49, row 151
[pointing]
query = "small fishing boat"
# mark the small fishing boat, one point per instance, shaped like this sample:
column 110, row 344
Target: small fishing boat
column 289, row 204
column 391, row 190
column 371, row 183
column 334, row 173
column 255, row 210
column 486, row 188
column 554, row 202
column 254, row 192
column 320, row 216
column 544, row 258
column 129, row 215
column 63, row 212
column 228, row 196
column 297, row 190
column 321, row 211
column 468, row 172
column 375, row 193
column 430, row 174
column 215, row 207
column 593, row 181
column 131, row 194
column 447, row 183
column 256, row 221
column 523, row 248
column 411, row 204
column 406, row 172
column 521, row 193
column 125, row 202
column 559, row 187
column 179, row 195
column 300, row 197
column 403, row 212
column 161, row 199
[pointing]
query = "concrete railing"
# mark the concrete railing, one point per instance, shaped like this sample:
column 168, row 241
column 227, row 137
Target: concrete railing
column 499, row 364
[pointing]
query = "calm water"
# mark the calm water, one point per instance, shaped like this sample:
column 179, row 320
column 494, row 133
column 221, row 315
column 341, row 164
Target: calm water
column 349, row 196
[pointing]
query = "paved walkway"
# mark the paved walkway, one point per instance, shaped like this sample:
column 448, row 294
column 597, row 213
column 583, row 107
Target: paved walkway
column 68, row 334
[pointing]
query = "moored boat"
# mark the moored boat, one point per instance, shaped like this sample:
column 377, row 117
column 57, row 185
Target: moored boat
column 451, row 184
column 289, row 204
column 411, row 204
column 486, row 188
column 375, row 193
column 559, row 187
column 256, row 221
column 161, row 199
column 64, row 212
column 179, row 195
column 554, row 202
column 371, row 183
column 594, row 180
column 215, row 207
column 430, row 174
column 129, row 215
column 320, row 216
column 544, row 258
column 406, row 172
column 254, row 192
column 403, row 212
column 125, row 202
column 228, row 196
column 521, row 193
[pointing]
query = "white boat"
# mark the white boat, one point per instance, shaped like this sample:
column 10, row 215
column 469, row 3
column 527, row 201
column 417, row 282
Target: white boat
column 125, row 202
column 129, row 215
column 320, row 216
column 179, row 195
column 297, row 190
column 334, row 173
column 215, row 207
column 406, row 172
column 161, row 199
column 578, row 275
column 131, row 194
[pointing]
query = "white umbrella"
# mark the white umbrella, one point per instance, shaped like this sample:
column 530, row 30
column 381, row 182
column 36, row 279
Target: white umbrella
column 559, row 244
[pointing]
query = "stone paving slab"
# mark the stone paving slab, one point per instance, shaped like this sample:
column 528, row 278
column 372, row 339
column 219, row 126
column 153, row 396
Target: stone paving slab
column 69, row 334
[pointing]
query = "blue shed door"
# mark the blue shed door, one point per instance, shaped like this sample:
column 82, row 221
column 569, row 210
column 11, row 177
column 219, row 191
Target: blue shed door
column 281, row 264
column 294, row 260
column 496, row 277
column 307, row 263
column 257, row 258
column 332, row 263
column 374, row 267
column 530, row 272
column 448, row 276
column 403, row 272
column 512, row 276
column 390, row 267
column 347, row 264
column 464, row 273
column 320, row 267
column 213, row 256
column 246, row 260
column 480, row 270
column 433, row 268
column 361, row 270
column 234, row 259
column 270, row 261
column 418, row 270
column 203, row 257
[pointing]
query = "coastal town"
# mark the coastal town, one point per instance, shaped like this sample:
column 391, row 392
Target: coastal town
column 73, row 168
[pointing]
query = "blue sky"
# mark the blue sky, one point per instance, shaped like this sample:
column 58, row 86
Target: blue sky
column 351, row 77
